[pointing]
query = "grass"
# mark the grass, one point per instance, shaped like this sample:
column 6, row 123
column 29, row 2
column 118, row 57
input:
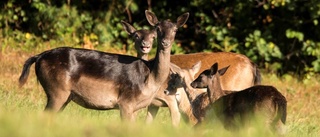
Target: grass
column 21, row 111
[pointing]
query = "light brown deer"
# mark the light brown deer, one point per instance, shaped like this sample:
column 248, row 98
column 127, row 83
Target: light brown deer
column 237, row 108
column 243, row 73
column 178, row 86
column 103, row 81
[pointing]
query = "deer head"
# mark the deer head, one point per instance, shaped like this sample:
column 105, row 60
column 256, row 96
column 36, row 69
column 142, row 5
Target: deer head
column 208, row 76
column 143, row 39
column 210, row 79
column 166, row 30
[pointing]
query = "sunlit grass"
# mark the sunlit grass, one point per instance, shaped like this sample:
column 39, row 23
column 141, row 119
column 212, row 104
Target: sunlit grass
column 21, row 111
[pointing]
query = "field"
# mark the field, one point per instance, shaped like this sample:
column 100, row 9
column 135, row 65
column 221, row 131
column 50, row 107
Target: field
column 21, row 111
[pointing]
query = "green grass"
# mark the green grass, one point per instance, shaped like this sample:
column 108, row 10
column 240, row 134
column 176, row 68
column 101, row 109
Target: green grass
column 21, row 111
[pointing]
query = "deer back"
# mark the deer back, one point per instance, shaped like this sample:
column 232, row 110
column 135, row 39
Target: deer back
column 242, row 73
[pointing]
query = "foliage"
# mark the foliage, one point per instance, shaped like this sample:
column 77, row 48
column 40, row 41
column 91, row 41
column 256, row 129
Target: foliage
column 279, row 35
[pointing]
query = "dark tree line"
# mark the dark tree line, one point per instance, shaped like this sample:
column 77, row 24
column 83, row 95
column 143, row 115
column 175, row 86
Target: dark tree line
column 278, row 35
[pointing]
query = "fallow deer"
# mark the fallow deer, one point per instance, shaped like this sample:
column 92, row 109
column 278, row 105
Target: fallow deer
column 242, row 73
column 143, row 40
column 236, row 108
column 103, row 81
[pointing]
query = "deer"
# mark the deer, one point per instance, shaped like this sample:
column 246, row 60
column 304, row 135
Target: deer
column 192, row 105
column 177, row 86
column 143, row 40
column 238, row 108
column 242, row 73
column 103, row 81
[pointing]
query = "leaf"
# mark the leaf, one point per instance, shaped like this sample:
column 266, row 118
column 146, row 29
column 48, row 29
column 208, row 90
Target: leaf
column 134, row 7
column 289, row 33
column 315, row 22
column 257, row 33
column 316, row 65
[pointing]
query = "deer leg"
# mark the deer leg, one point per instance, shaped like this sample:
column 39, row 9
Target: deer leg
column 174, row 111
column 280, row 128
column 152, row 113
column 134, row 115
column 127, row 114
column 57, row 100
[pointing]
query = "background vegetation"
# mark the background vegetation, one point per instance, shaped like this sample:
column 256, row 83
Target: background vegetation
column 281, row 36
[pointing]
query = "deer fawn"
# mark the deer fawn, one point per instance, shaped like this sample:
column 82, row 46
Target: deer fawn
column 103, row 81
column 234, row 109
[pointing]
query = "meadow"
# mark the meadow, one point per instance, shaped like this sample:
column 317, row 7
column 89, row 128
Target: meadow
column 21, row 110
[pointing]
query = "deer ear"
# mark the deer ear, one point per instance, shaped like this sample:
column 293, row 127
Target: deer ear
column 196, row 68
column 183, row 81
column 223, row 70
column 174, row 68
column 181, row 20
column 214, row 69
column 152, row 18
column 128, row 28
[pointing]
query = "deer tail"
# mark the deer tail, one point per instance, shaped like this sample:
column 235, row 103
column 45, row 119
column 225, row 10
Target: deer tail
column 26, row 69
column 257, row 74
column 281, row 103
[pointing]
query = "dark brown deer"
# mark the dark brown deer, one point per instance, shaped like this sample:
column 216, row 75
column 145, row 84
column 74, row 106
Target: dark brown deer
column 143, row 39
column 236, row 108
column 103, row 81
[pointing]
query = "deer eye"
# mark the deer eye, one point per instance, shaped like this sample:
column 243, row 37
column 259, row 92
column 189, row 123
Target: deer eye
column 158, row 29
column 136, row 36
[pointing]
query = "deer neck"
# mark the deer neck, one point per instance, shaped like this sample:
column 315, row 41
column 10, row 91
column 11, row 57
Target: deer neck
column 160, row 69
column 185, row 107
column 143, row 56
column 161, row 65
column 194, row 94
column 214, row 89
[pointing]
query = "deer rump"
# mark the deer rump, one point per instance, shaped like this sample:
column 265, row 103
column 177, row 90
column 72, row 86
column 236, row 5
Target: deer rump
column 92, row 79
column 258, row 101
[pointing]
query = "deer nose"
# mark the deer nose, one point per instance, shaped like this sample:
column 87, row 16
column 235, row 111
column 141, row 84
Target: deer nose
column 193, row 85
column 167, row 92
column 165, row 42
column 144, row 43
